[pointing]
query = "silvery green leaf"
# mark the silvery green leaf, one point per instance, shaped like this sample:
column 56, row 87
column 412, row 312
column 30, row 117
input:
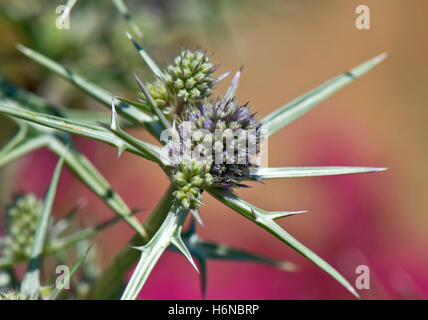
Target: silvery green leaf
column 20, row 147
column 31, row 282
column 299, row 172
column 281, row 117
column 123, row 9
column 79, row 128
column 149, row 151
column 113, row 275
column 129, row 112
column 147, row 59
column 25, row 99
column 231, row 91
column 222, row 77
column 83, row 169
column 178, row 242
column 152, row 251
column 262, row 219
column 30, row 139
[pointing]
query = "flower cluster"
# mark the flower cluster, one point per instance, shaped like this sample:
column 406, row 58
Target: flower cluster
column 188, row 79
column 21, row 222
column 223, row 119
column 219, row 138
column 184, row 91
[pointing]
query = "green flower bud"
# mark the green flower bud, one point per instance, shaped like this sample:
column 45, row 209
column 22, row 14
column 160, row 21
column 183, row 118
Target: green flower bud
column 21, row 220
column 190, row 78
column 190, row 179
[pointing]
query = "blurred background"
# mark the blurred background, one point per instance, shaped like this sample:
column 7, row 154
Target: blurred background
column 287, row 48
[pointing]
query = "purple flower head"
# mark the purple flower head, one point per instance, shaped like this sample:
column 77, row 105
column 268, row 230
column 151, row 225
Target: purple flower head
column 223, row 135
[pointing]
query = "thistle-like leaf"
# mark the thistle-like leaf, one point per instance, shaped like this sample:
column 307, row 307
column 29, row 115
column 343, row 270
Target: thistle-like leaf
column 152, row 251
column 129, row 112
column 113, row 275
column 37, row 137
column 177, row 241
column 282, row 214
column 82, row 169
column 299, row 172
column 281, row 117
column 267, row 222
column 150, row 151
column 87, row 130
column 83, row 129
column 222, row 76
column 28, row 100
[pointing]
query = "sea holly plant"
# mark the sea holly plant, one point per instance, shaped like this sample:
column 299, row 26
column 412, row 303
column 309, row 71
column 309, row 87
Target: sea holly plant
column 207, row 144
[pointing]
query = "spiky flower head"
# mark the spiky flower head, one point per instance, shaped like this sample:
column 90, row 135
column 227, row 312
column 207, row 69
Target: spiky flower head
column 21, row 220
column 190, row 77
column 223, row 136
column 11, row 294
column 229, row 117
